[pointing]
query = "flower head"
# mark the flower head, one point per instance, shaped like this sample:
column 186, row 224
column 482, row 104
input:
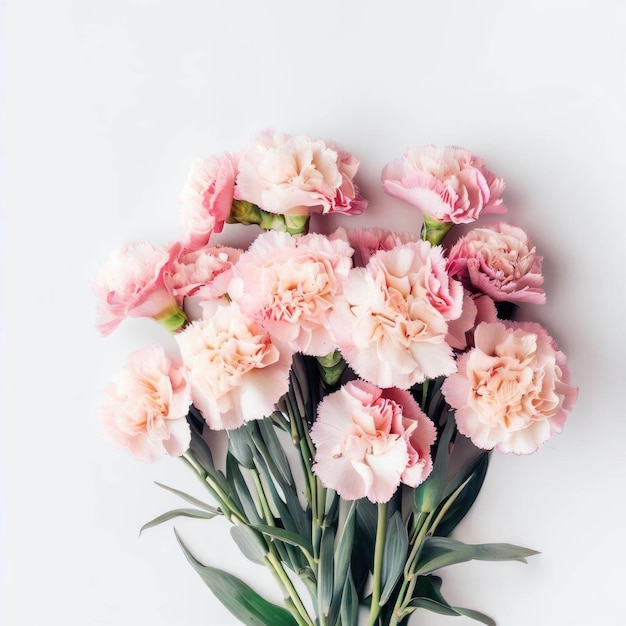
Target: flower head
column 512, row 390
column 288, row 284
column 145, row 406
column 500, row 261
column 206, row 199
column 131, row 284
column 391, row 322
column 236, row 372
column 368, row 441
column 291, row 175
column 203, row 274
column 448, row 184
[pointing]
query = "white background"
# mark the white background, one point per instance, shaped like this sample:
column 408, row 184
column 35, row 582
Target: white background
column 105, row 104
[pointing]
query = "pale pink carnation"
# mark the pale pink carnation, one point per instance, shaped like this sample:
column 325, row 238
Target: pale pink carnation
column 206, row 199
column 368, row 441
column 131, row 284
column 288, row 174
column 145, row 407
column 448, row 184
column 203, row 274
column 500, row 261
column 391, row 322
column 237, row 373
column 512, row 390
column 368, row 241
column 288, row 285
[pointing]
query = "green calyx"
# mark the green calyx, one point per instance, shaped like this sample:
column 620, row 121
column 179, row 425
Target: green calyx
column 434, row 231
column 243, row 212
column 172, row 319
column 331, row 367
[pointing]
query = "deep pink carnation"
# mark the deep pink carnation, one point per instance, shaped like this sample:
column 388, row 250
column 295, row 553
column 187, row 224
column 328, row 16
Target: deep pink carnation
column 500, row 261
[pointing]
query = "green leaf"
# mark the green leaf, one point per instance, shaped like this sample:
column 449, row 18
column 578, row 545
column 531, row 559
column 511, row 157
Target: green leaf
column 240, row 599
column 241, row 446
column 467, row 497
column 343, row 556
column 394, row 557
column 475, row 615
column 273, row 452
column 440, row 552
column 239, row 487
column 250, row 544
column 427, row 595
column 284, row 535
column 187, row 498
column 195, row 513
column 428, row 495
column 343, row 552
column 349, row 610
column 325, row 570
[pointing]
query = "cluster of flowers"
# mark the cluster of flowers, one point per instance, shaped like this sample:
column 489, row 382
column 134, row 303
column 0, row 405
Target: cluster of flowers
column 394, row 309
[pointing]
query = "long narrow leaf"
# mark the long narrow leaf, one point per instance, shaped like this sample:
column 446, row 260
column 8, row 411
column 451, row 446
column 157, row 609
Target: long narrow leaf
column 194, row 513
column 326, row 570
column 190, row 499
column 240, row 599
column 284, row 535
column 394, row 557
column 349, row 610
column 440, row 552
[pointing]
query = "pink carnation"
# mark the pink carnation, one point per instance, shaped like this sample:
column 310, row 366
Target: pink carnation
column 237, row 373
column 367, row 241
column 500, row 261
column 131, row 284
column 448, row 184
column 512, row 390
column 145, row 407
column 288, row 174
column 368, row 441
column 203, row 274
column 206, row 199
column 288, row 285
column 391, row 322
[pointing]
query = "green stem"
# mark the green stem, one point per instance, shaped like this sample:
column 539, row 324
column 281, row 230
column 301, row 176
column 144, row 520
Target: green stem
column 267, row 512
column 379, row 552
column 285, row 582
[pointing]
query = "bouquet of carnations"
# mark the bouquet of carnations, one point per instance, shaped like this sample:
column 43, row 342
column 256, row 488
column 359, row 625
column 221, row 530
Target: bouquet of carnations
column 360, row 379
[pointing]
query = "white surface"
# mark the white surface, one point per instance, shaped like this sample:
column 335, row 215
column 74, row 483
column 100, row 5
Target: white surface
column 105, row 103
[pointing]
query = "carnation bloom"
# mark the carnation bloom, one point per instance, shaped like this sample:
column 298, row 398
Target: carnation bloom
column 131, row 284
column 367, row 241
column 206, row 199
column 203, row 274
column 145, row 406
column 237, row 373
column 391, row 322
column 512, row 390
column 290, row 175
column 287, row 284
column 368, row 441
column 448, row 184
column 498, row 260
